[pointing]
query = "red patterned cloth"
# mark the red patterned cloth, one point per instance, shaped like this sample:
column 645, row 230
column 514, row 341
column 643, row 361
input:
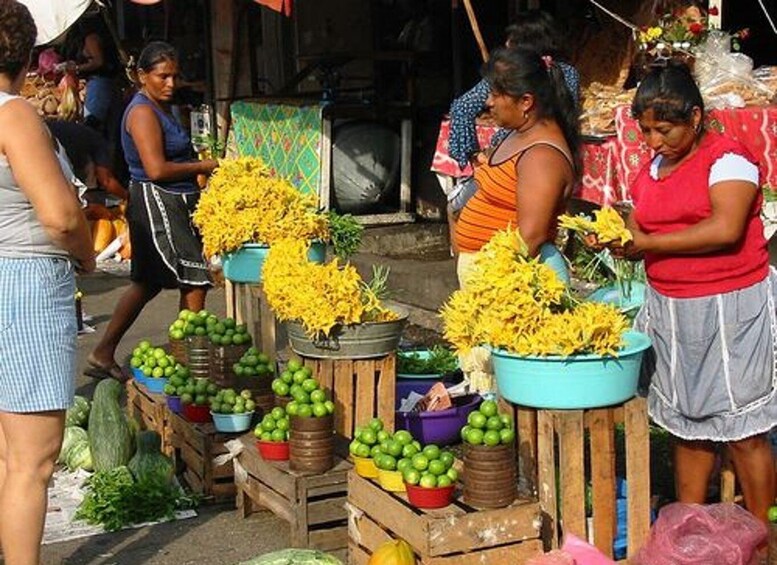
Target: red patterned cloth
column 443, row 163
column 610, row 167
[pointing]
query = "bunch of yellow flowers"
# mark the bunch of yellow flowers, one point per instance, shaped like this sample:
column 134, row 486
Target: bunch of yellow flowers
column 608, row 226
column 320, row 296
column 244, row 203
column 513, row 302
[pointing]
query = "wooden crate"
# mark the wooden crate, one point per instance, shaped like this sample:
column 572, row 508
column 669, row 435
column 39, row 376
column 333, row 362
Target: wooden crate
column 566, row 441
column 455, row 535
column 195, row 448
column 247, row 304
column 313, row 505
column 361, row 389
column 151, row 412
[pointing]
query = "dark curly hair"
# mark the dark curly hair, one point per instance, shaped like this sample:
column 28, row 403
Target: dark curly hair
column 17, row 37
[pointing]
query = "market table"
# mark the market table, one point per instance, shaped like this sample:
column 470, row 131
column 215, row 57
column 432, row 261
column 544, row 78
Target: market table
column 611, row 163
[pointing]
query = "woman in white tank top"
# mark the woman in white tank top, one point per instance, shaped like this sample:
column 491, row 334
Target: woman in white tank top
column 43, row 236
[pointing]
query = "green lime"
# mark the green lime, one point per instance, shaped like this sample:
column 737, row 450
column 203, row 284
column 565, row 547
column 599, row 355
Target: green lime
column 494, row 423
column 491, row 438
column 411, row 476
column 507, row 436
column 452, row 474
column 420, row 462
column 475, row 436
column 304, row 411
column 431, row 451
column 443, row 481
column 437, row 467
column 403, row 436
column 488, row 408
column 477, row 420
column 428, row 481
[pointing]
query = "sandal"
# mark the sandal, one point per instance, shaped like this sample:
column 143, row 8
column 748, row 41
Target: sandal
column 100, row 372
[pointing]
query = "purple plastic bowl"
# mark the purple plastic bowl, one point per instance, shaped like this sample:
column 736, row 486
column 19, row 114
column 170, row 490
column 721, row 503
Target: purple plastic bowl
column 174, row 404
column 442, row 427
column 420, row 386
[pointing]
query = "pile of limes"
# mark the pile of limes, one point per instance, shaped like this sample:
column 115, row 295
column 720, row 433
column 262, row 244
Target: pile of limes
column 485, row 426
column 375, row 442
column 254, row 363
column 274, row 426
column 228, row 401
column 431, row 468
column 195, row 391
column 227, row 332
column 153, row 361
column 191, row 323
column 281, row 385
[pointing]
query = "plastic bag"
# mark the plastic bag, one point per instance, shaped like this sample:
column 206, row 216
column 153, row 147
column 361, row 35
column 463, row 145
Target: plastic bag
column 726, row 79
column 584, row 553
column 693, row 534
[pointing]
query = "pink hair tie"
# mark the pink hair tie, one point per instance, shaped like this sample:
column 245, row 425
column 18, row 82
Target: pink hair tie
column 548, row 60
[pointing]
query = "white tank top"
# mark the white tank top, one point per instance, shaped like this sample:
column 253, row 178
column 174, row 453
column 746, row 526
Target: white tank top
column 21, row 234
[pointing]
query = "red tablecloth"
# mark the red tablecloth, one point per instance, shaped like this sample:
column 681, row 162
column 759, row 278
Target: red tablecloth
column 610, row 166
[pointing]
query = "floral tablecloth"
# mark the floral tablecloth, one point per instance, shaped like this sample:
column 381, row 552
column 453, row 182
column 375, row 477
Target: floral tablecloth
column 610, row 165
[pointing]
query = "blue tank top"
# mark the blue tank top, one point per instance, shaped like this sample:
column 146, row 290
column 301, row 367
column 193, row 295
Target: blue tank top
column 177, row 147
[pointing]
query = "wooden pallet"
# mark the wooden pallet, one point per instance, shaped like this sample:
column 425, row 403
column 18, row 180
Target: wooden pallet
column 150, row 411
column 313, row 505
column 455, row 535
column 566, row 441
column 361, row 389
column 195, row 448
column 247, row 304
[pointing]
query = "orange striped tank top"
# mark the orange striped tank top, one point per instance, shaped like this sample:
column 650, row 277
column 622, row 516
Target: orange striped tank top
column 493, row 206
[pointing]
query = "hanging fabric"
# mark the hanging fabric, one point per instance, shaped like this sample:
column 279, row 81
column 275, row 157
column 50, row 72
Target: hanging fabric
column 54, row 17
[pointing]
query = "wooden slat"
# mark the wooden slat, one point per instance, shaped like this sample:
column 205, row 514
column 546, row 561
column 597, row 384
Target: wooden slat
column 300, row 525
column 343, row 396
column 364, row 495
column 326, row 374
column 387, row 390
column 465, row 532
column 728, row 480
column 269, row 337
column 327, row 510
column 329, row 539
column 262, row 495
column 229, row 295
column 339, row 486
column 637, row 473
column 602, row 440
column 193, row 460
column 572, row 471
column 357, row 555
column 515, row 553
column 367, row 533
column 526, row 436
column 546, row 475
column 221, row 491
column 365, row 393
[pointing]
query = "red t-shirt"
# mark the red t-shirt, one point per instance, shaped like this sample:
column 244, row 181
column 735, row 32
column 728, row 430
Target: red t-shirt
column 682, row 199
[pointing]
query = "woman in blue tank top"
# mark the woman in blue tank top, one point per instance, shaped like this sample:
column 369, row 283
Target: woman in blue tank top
column 163, row 193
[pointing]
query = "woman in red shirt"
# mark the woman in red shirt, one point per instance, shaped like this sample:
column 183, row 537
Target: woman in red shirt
column 710, row 306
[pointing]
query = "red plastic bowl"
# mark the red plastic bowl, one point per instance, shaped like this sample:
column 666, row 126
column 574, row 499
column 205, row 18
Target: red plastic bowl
column 273, row 450
column 197, row 414
column 438, row 497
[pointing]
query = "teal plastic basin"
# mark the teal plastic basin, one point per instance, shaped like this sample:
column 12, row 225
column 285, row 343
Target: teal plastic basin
column 245, row 264
column 574, row 382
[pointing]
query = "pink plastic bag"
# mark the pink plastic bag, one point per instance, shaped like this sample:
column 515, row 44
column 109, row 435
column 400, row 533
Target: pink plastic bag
column 584, row 553
column 693, row 534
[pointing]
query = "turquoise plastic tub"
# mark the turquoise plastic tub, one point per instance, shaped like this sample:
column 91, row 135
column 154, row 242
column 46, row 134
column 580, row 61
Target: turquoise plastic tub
column 245, row 264
column 155, row 385
column 232, row 423
column 579, row 381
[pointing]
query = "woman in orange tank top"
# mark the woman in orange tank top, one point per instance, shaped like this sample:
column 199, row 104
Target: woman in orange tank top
column 529, row 177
